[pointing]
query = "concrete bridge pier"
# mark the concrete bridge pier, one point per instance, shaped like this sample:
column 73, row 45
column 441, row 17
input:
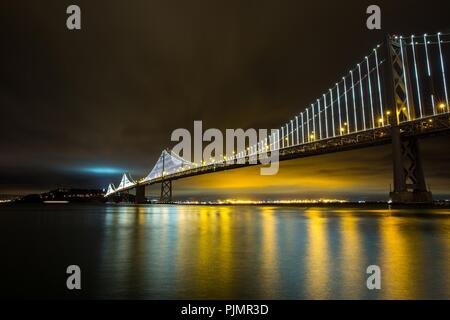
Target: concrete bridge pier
column 140, row 194
column 409, row 179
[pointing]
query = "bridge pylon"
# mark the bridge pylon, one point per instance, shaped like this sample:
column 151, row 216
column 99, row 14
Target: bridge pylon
column 140, row 194
column 166, row 191
column 166, row 185
column 409, row 179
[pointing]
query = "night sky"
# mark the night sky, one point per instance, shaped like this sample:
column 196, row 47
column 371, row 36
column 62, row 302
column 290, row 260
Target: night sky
column 79, row 107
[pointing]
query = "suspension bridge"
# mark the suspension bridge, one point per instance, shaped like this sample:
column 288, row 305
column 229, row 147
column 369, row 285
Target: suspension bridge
column 395, row 95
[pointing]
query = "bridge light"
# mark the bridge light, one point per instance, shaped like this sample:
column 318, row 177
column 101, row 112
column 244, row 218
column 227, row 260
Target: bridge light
column 444, row 81
column 388, row 112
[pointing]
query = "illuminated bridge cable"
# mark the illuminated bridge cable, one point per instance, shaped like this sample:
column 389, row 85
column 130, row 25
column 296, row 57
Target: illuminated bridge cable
column 274, row 139
column 362, row 97
column 307, row 124
column 303, row 128
column 270, row 142
column 339, row 107
column 332, row 112
column 370, row 92
column 326, row 115
column 404, row 77
column 298, row 131
column 354, row 101
column 379, row 87
column 125, row 182
column 425, row 41
column 320, row 120
column 278, row 139
column 111, row 189
column 346, row 105
column 443, row 71
column 292, row 132
column 416, row 74
column 313, row 122
column 287, row 135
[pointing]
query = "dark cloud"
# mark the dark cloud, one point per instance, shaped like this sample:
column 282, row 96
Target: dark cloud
column 111, row 94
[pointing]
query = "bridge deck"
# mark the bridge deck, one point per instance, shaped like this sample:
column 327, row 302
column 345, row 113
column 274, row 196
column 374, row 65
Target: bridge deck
column 433, row 125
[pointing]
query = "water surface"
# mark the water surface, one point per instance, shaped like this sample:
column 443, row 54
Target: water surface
column 224, row 252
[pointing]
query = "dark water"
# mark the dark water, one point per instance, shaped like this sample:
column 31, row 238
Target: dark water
column 215, row 252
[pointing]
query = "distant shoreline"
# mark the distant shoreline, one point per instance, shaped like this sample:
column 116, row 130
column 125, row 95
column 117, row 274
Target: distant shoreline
column 436, row 205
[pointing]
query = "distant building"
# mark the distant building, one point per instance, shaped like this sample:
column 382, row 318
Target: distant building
column 65, row 195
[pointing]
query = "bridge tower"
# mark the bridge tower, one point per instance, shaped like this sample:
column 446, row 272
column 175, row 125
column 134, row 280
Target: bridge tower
column 166, row 191
column 166, row 186
column 409, row 179
column 140, row 194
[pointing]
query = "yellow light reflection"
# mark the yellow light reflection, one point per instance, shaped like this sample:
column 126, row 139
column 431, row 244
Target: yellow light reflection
column 400, row 259
column 269, row 262
column 317, row 259
column 351, row 253
column 212, row 251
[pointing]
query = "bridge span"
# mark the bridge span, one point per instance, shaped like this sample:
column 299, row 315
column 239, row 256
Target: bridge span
column 396, row 95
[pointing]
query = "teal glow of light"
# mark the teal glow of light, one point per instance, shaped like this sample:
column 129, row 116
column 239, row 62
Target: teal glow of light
column 102, row 170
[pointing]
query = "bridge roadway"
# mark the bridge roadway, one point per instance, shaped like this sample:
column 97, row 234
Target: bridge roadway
column 426, row 126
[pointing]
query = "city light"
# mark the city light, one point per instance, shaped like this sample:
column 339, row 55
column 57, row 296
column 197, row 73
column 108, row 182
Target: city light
column 260, row 202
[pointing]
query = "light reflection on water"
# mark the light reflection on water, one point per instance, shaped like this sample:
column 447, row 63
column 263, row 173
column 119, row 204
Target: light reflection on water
column 242, row 252
column 268, row 252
